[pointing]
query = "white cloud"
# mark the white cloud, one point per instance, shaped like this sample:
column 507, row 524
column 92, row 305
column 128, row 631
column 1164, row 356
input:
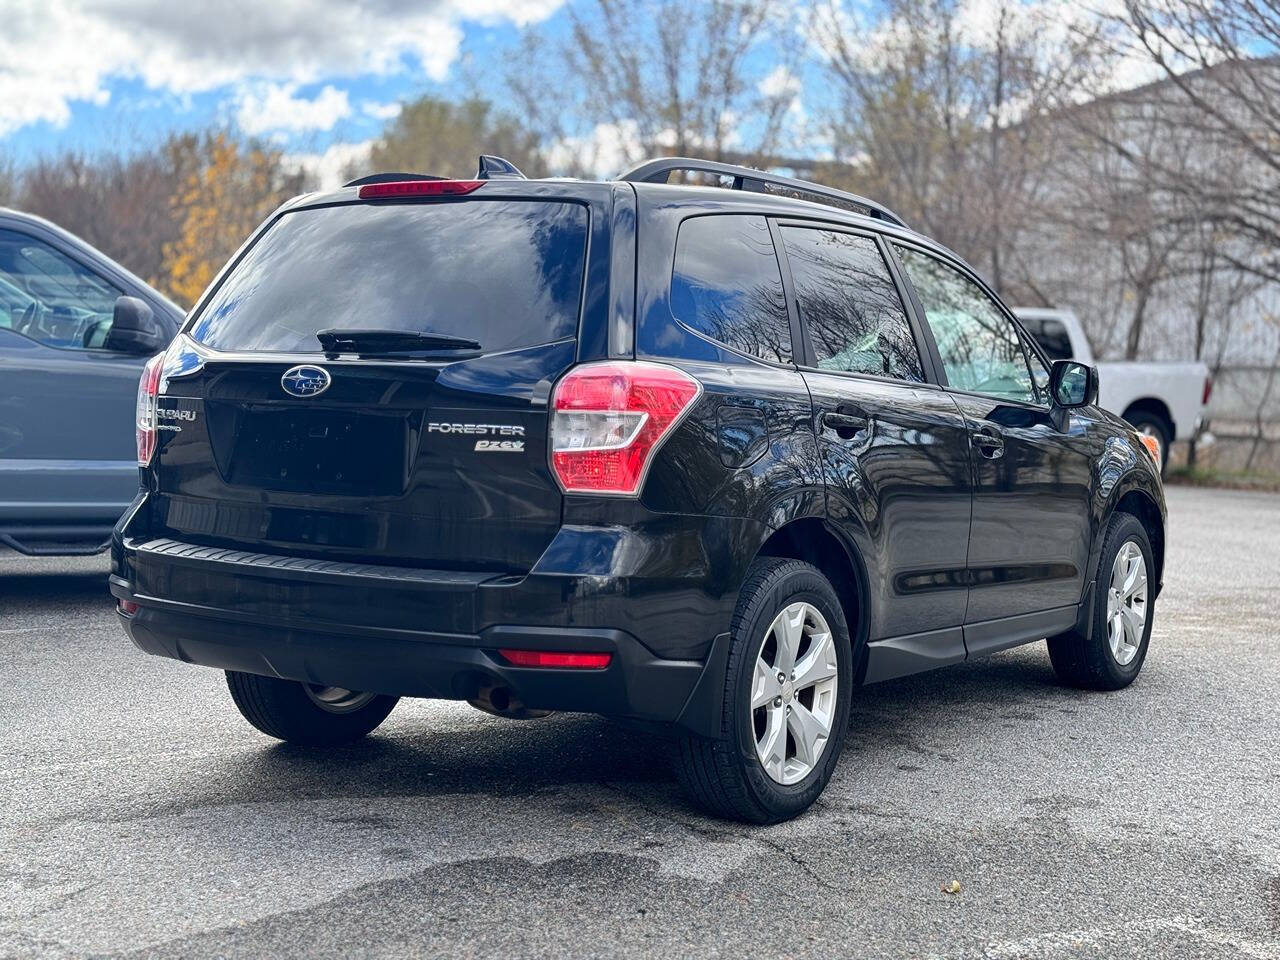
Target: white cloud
column 275, row 106
column 779, row 82
column 329, row 168
column 56, row 52
column 380, row 111
column 605, row 151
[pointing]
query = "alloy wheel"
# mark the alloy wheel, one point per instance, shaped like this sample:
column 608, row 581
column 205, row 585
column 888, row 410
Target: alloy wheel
column 793, row 692
column 1127, row 603
column 336, row 699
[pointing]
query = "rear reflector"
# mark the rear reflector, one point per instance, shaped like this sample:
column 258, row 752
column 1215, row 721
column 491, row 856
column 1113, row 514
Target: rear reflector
column 145, row 415
column 127, row 607
column 418, row 188
column 557, row 658
column 610, row 418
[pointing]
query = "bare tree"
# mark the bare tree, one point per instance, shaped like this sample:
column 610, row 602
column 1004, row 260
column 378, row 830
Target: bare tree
column 118, row 203
column 442, row 137
column 940, row 122
column 1221, row 88
column 638, row 78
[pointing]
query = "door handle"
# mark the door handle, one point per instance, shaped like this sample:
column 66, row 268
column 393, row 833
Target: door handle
column 989, row 443
column 844, row 423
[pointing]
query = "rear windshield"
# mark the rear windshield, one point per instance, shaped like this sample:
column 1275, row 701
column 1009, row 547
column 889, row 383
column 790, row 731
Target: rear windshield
column 505, row 273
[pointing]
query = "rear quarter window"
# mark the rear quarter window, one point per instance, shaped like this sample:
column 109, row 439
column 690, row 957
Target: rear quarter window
column 727, row 285
column 507, row 273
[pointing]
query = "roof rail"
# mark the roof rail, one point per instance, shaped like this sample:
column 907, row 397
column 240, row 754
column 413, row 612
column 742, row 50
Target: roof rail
column 758, row 181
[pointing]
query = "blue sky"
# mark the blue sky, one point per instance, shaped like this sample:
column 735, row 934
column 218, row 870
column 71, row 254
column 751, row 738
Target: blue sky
column 312, row 76
column 318, row 78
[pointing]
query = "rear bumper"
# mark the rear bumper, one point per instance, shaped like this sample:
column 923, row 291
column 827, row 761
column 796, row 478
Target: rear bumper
column 407, row 632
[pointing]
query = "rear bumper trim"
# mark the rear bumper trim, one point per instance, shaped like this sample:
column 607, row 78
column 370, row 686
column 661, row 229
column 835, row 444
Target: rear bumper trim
column 299, row 568
column 420, row 663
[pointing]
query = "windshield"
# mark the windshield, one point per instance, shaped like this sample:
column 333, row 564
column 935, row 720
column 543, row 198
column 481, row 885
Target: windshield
column 507, row 274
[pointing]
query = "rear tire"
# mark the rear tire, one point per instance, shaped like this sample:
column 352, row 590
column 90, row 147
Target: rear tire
column 1113, row 654
column 772, row 760
column 307, row 714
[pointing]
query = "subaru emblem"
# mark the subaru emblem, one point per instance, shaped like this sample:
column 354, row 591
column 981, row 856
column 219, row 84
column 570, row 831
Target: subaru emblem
column 306, row 380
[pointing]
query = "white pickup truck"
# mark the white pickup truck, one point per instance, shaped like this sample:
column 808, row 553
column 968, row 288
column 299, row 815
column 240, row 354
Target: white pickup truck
column 1164, row 400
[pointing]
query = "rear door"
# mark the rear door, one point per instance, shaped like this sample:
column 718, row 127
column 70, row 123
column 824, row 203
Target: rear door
column 894, row 447
column 1029, row 546
column 435, row 457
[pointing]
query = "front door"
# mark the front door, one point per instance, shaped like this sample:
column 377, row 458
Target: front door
column 894, row 447
column 1032, row 465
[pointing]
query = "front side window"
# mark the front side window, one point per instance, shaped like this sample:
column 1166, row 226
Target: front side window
column 727, row 285
column 850, row 306
column 47, row 296
column 980, row 348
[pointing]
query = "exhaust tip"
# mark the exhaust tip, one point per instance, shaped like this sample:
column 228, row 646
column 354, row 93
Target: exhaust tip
column 502, row 702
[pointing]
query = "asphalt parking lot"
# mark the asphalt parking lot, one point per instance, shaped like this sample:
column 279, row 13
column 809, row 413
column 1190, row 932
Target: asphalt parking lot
column 141, row 815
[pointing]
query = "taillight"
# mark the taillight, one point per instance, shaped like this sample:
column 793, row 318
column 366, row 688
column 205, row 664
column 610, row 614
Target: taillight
column 145, row 419
column 608, row 420
column 557, row 658
column 1208, row 389
column 418, row 188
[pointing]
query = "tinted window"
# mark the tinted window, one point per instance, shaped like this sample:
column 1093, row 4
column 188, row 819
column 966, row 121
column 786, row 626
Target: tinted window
column 728, row 286
column 49, row 297
column 1051, row 335
column 505, row 273
column 980, row 348
column 849, row 305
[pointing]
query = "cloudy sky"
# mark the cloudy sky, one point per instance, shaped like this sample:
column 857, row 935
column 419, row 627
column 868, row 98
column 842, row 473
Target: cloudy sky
column 318, row 77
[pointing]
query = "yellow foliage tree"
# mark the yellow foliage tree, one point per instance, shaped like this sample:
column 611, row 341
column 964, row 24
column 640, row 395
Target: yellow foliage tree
column 230, row 188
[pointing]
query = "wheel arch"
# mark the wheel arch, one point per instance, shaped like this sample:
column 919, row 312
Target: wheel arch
column 812, row 540
column 1139, row 503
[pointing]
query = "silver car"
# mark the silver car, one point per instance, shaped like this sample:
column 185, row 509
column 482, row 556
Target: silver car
column 76, row 329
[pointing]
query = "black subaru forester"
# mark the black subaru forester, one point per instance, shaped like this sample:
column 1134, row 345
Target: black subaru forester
column 704, row 455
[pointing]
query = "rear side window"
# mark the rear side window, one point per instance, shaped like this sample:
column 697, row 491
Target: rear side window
column 727, row 285
column 505, row 273
column 850, row 306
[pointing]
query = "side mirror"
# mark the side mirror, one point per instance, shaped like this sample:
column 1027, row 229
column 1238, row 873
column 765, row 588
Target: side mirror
column 1073, row 384
column 134, row 328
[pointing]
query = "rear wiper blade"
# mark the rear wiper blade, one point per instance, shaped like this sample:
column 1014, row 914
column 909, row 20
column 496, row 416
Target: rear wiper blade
column 390, row 341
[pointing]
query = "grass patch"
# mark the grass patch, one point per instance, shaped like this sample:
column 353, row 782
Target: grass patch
column 1230, row 479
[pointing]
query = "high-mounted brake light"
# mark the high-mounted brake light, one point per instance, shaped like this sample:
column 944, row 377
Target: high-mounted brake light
column 418, row 188
column 557, row 658
column 608, row 419
column 148, row 390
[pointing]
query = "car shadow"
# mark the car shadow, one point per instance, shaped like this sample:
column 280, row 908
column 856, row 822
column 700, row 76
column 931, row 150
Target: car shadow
column 451, row 749
column 44, row 596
